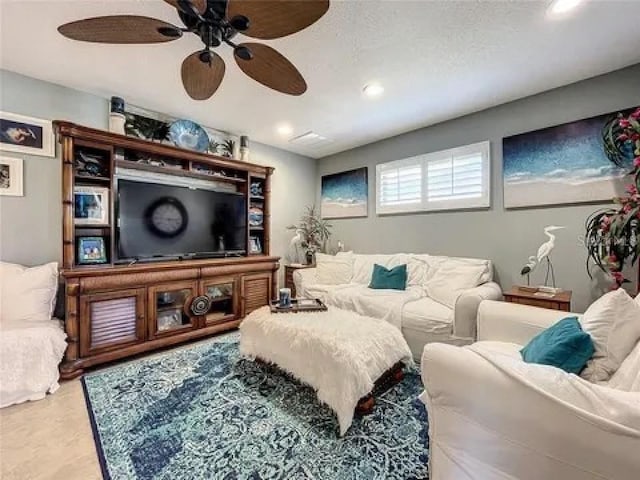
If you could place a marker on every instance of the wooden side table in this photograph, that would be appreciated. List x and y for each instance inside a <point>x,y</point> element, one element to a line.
<point>288,276</point>
<point>560,301</point>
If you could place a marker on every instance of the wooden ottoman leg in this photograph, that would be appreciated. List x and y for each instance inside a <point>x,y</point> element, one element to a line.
<point>365,405</point>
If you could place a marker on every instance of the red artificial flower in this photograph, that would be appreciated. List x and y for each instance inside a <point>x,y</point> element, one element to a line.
<point>631,189</point>
<point>623,137</point>
<point>624,123</point>
<point>636,162</point>
<point>636,114</point>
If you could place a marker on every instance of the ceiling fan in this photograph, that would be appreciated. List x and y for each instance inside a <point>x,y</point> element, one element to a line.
<point>216,22</point>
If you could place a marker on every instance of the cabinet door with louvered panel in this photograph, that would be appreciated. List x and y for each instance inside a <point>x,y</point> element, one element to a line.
<point>111,320</point>
<point>256,291</point>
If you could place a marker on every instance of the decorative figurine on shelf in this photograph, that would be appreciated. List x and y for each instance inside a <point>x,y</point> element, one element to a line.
<point>296,252</point>
<point>116,116</point>
<point>315,232</point>
<point>544,252</point>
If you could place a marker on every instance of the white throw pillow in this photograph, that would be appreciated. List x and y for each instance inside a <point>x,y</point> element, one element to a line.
<point>332,270</point>
<point>449,281</point>
<point>613,321</point>
<point>27,293</point>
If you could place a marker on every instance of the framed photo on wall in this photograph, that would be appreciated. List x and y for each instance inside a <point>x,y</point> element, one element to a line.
<point>91,250</point>
<point>21,134</point>
<point>11,179</point>
<point>91,205</point>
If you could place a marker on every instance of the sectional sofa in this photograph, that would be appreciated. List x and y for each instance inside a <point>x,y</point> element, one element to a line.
<point>439,304</point>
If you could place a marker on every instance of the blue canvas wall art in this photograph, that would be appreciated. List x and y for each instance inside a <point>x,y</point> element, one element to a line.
<point>577,162</point>
<point>345,194</point>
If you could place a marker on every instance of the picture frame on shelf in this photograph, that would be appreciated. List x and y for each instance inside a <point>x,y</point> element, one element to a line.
<point>22,134</point>
<point>91,251</point>
<point>11,177</point>
<point>91,205</point>
<point>254,245</point>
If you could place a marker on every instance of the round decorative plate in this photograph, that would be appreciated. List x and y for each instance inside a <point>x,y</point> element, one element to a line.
<point>256,217</point>
<point>188,134</point>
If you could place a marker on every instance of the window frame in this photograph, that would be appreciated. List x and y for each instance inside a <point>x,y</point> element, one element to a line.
<point>424,205</point>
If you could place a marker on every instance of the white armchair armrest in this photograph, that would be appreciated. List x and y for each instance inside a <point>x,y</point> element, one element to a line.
<point>302,278</point>
<point>485,423</point>
<point>514,323</point>
<point>466,308</point>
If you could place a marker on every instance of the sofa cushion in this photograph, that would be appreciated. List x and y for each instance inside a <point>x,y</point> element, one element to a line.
<point>450,280</point>
<point>333,270</point>
<point>428,316</point>
<point>393,279</point>
<point>627,377</point>
<point>363,265</point>
<point>320,291</point>
<point>27,293</point>
<point>563,345</point>
<point>613,321</point>
<point>438,261</point>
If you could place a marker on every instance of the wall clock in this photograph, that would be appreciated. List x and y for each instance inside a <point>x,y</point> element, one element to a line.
<point>167,217</point>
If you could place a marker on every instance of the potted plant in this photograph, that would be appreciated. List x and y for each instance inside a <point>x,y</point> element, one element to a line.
<point>314,232</point>
<point>613,234</point>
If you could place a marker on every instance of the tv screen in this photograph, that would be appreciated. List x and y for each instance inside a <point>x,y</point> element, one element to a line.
<point>156,220</point>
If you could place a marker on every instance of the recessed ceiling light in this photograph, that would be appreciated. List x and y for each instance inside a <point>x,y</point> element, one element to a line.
<point>559,7</point>
<point>284,129</point>
<point>373,90</point>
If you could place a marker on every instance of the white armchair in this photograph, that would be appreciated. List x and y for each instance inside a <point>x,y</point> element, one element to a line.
<point>493,416</point>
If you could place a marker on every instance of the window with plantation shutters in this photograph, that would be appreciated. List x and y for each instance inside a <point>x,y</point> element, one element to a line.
<point>458,178</point>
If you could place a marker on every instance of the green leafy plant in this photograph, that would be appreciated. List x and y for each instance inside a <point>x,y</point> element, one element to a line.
<point>613,234</point>
<point>314,230</point>
<point>227,148</point>
<point>146,128</point>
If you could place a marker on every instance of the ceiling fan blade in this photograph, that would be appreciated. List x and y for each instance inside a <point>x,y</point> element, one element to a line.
<point>120,29</point>
<point>275,18</point>
<point>271,69</point>
<point>202,79</point>
<point>199,5</point>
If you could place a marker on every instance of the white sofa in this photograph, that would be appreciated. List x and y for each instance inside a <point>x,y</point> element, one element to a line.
<point>493,416</point>
<point>421,318</point>
<point>32,342</point>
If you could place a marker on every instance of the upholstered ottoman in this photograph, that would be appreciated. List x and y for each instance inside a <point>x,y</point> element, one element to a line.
<point>340,354</point>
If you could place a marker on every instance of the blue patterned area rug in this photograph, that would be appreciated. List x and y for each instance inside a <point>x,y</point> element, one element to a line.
<point>202,412</point>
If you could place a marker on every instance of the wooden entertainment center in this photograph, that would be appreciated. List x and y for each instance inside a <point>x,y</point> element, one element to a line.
<point>117,310</point>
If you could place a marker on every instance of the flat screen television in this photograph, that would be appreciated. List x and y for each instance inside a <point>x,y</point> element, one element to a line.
<point>156,221</point>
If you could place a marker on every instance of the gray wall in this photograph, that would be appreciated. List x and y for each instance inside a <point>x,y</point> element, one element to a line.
<point>30,226</point>
<point>507,237</point>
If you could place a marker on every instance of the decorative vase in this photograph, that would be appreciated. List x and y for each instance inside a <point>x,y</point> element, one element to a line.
<point>309,258</point>
<point>116,115</point>
<point>244,148</point>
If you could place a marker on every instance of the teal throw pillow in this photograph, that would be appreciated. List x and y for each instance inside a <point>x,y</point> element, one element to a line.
<point>564,345</point>
<point>394,279</point>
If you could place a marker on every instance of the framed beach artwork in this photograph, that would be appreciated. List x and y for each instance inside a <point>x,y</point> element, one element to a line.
<point>345,194</point>
<point>577,162</point>
<point>29,135</point>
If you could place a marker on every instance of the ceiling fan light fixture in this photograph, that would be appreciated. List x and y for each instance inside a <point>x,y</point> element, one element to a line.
<point>240,23</point>
<point>373,90</point>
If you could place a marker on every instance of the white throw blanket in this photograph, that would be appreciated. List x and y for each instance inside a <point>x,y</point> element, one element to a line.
<point>602,405</point>
<point>339,353</point>
<point>383,304</point>
<point>30,352</point>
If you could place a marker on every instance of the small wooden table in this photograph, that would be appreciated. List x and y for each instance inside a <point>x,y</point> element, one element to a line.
<point>560,301</point>
<point>288,276</point>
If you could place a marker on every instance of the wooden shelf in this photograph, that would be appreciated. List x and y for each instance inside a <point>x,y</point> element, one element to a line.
<point>89,179</point>
<point>257,229</point>
<point>96,227</point>
<point>174,171</point>
<point>256,197</point>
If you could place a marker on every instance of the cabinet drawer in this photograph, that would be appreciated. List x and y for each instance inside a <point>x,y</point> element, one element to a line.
<point>256,292</point>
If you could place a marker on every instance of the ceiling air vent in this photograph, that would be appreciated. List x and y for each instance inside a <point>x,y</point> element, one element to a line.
<point>309,139</point>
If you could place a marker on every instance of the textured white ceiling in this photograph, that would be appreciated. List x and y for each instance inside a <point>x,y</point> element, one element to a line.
<point>436,59</point>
